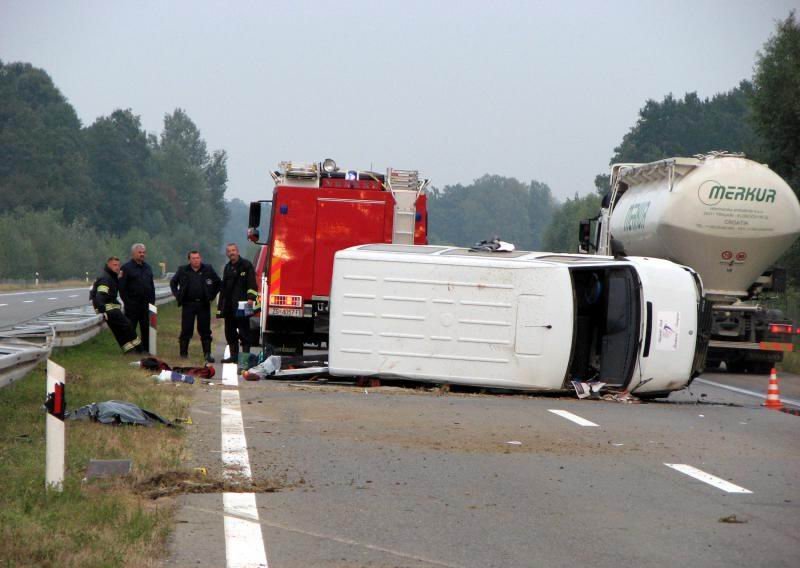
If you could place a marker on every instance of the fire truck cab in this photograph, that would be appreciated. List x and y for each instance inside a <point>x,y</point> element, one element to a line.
<point>317,209</point>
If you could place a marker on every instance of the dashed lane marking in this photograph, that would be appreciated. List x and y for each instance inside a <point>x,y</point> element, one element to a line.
<point>230,374</point>
<point>74,295</point>
<point>713,480</point>
<point>28,301</point>
<point>1,305</point>
<point>52,298</point>
<point>573,417</point>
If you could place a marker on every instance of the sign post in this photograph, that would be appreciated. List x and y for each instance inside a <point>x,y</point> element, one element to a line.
<point>153,331</point>
<point>56,405</point>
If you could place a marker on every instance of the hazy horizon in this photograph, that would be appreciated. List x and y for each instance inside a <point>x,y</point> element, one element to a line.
<point>532,90</point>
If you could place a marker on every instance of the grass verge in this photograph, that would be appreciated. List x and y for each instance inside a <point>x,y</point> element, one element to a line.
<point>790,363</point>
<point>101,522</point>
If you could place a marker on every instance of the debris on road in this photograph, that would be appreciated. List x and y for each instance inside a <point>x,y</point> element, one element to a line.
<point>588,389</point>
<point>117,412</point>
<point>732,519</point>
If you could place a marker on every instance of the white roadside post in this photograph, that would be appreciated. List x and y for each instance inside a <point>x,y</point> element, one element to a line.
<point>153,331</point>
<point>55,442</point>
<point>37,279</point>
<point>87,276</point>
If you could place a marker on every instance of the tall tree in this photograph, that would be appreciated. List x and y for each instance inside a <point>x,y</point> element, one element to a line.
<point>490,206</point>
<point>561,234</point>
<point>688,126</point>
<point>121,168</point>
<point>776,100</point>
<point>181,131</point>
<point>42,161</point>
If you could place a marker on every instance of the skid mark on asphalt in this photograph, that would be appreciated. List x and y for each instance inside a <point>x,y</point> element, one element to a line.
<point>573,417</point>
<point>244,543</point>
<point>713,480</point>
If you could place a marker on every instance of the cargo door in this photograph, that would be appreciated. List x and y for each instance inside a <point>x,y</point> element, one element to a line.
<point>343,223</point>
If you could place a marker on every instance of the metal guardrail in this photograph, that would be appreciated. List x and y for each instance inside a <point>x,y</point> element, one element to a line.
<point>24,345</point>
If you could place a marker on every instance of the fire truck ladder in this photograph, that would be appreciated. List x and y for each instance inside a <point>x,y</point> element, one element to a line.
<point>405,187</point>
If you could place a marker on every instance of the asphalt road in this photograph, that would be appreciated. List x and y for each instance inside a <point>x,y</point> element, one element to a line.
<point>16,307</point>
<point>383,477</point>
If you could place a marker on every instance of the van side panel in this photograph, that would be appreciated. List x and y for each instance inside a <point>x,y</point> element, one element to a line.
<point>476,321</point>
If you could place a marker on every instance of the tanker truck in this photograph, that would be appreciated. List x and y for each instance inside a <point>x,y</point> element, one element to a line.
<point>727,217</point>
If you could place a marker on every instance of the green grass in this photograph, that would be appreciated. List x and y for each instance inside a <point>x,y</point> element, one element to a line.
<point>97,523</point>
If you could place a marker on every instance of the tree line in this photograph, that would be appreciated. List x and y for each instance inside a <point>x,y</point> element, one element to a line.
<point>73,195</point>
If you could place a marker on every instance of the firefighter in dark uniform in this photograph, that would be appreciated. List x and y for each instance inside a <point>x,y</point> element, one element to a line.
<point>104,299</point>
<point>195,286</point>
<point>238,285</point>
<point>137,290</point>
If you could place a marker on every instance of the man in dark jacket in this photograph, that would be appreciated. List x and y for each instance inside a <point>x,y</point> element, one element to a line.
<point>238,285</point>
<point>104,299</point>
<point>195,286</point>
<point>137,291</point>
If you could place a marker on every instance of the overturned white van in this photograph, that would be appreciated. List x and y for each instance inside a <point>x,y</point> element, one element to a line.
<point>518,320</point>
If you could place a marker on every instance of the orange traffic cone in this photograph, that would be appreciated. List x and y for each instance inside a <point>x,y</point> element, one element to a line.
<point>773,394</point>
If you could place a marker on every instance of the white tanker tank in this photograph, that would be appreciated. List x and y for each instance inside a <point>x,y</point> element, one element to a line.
<point>727,217</point>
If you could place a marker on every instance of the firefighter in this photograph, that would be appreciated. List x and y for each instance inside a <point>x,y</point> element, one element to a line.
<point>137,291</point>
<point>238,285</point>
<point>104,299</point>
<point>195,286</point>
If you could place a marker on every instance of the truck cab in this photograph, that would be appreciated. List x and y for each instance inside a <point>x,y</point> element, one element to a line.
<point>315,210</point>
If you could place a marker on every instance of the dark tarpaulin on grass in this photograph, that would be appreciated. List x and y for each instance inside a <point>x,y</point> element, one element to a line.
<point>117,412</point>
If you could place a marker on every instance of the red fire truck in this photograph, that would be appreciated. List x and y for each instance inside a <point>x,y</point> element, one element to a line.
<point>317,209</point>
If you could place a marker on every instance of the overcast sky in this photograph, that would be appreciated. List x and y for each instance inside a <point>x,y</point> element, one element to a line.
<point>535,90</point>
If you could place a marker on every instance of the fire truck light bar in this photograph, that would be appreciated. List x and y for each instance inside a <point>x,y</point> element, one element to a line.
<point>285,301</point>
<point>780,328</point>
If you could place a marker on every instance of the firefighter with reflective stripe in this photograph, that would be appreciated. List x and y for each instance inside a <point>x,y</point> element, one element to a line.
<point>137,290</point>
<point>195,286</point>
<point>238,285</point>
<point>104,299</point>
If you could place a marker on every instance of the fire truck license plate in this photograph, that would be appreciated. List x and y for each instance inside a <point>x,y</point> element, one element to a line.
<point>287,312</point>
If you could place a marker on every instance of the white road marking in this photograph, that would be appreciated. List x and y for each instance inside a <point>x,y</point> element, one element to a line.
<point>707,478</point>
<point>575,418</point>
<point>52,298</point>
<point>230,371</point>
<point>1,305</point>
<point>44,291</point>
<point>234,444</point>
<point>28,301</point>
<point>760,395</point>
<point>74,295</point>
<point>244,543</point>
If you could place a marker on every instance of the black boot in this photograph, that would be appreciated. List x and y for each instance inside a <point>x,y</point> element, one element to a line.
<point>207,350</point>
<point>184,346</point>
